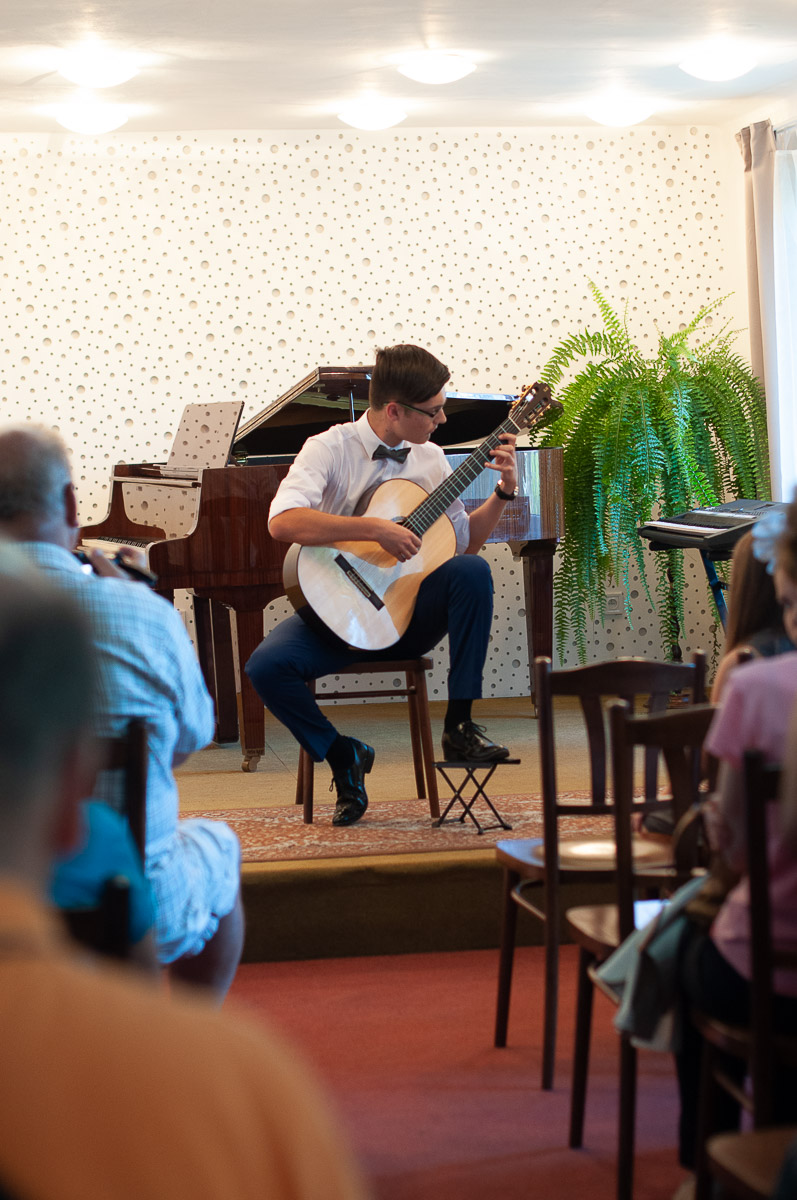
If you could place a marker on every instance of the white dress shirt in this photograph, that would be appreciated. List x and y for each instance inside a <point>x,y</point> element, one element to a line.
<point>335,469</point>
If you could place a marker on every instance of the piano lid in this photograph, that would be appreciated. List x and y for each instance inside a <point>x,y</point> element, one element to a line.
<point>332,395</point>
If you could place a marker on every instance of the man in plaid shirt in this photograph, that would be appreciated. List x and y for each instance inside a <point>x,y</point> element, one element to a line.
<point>147,668</point>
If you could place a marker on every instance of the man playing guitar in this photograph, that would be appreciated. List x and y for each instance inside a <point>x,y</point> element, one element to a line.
<point>317,505</point>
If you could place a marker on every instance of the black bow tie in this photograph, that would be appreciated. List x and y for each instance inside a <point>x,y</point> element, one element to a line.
<point>398,456</point>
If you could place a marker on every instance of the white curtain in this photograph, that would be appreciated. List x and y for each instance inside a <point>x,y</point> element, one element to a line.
<point>770,165</point>
<point>785,243</point>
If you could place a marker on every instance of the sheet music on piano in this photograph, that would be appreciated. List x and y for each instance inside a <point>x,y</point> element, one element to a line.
<point>204,438</point>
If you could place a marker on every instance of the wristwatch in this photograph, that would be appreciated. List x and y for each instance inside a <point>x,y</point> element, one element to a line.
<point>502,495</point>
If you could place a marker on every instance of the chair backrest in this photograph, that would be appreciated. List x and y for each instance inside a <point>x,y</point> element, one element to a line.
<point>678,736</point>
<point>631,679</point>
<point>104,927</point>
<point>128,753</point>
<point>761,786</point>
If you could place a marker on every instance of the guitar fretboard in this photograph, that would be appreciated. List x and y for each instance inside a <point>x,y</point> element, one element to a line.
<point>428,511</point>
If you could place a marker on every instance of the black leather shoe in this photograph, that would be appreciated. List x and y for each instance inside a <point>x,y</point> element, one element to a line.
<point>467,743</point>
<point>352,798</point>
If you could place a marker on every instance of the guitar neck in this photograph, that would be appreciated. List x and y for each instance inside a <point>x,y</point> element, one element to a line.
<point>436,503</point>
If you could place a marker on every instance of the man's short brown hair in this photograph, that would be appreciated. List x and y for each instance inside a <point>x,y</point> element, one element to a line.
<point>406,374</point>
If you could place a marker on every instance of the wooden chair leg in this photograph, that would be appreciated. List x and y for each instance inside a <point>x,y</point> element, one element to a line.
<point>306,778</point>
<point>415,735</point>
<point>551,998</point>
<point>298,797</point>
<point>627,1122</point>
<point>305,786</point>
<point>425,727</point>
<point>705,1124</point>
<point>506,959</point>
<point>578,1093</point>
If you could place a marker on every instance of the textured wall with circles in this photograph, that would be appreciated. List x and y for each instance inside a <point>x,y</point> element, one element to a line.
<point>141,273</point>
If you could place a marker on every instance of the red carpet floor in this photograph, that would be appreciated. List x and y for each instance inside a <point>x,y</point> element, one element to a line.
<point>404,1044</point>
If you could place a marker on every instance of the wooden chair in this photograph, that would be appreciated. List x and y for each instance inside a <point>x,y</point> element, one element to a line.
<point>534,869</point>
<point>104,927</point>
<point>737,1160</point>
<point>414,672</point>
<point>747,1165</point>
<point>599,929</point>
<point>129,753</point>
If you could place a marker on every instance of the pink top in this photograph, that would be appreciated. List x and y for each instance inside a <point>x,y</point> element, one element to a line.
<point>755,714</point>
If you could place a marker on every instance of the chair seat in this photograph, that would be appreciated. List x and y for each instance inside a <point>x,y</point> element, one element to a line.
<point>595,927</point>
<point>752,1159</point>
<point>737,1039</point>
<point>527,855</point>
<point>731,1039</point>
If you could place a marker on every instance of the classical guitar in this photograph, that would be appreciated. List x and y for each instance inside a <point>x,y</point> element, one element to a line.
<point>360,591</point>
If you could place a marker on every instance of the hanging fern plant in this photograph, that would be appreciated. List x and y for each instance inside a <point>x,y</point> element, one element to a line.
<point>645,437</point>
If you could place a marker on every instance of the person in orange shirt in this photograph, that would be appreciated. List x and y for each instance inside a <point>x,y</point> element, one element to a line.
<point>109,1087</point>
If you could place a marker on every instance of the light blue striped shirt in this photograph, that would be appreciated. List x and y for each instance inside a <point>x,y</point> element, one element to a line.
<point>148,668</point>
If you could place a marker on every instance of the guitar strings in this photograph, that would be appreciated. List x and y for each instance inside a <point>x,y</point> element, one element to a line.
<point>432,507</point>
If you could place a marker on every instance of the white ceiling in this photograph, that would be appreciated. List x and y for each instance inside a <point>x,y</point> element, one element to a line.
<point>256,64</point>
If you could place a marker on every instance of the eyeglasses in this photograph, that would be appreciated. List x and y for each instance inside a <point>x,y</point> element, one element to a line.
<point>426,412</point>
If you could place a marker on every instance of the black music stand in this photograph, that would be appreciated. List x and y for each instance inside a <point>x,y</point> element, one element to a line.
<point>716,584</point>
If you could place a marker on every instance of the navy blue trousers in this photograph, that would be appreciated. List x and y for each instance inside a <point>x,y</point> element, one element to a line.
<point>456,599</point>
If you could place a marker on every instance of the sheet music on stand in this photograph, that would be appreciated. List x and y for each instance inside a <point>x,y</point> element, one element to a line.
<point>204,438</point>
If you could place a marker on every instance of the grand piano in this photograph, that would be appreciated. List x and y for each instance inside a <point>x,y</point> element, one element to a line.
<point>206,530</point>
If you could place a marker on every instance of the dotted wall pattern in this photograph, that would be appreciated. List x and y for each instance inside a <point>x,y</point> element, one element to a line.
<point>142,273</point>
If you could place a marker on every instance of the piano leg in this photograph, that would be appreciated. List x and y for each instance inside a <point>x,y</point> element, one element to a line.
<point>249,628</point>
<point>538,588</point>
<point>227,712</point>
<point>214,647</point>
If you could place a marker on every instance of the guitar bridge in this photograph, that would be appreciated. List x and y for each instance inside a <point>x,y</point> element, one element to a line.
<point>356,578</point>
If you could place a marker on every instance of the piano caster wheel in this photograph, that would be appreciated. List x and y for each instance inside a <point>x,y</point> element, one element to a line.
<point>250,762</point>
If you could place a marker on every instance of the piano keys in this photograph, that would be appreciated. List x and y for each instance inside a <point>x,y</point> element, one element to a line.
<point>209,533</point>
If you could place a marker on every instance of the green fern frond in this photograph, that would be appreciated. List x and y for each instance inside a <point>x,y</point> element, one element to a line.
<point>642,437</point>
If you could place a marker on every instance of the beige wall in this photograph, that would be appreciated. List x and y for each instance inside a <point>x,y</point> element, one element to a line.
<point>143,272</point>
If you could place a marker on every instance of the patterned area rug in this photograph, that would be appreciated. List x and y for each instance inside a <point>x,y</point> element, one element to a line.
<point>389,827</point>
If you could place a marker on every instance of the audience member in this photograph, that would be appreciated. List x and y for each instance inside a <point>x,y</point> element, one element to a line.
<point>757,702</point>
<point>147,669</point>
<point>109,1088</point>
<point>755,617</point>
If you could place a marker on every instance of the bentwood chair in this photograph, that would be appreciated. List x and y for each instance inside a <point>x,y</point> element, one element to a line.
<point>747,1163</point>
<point>129,754</point>
<point>104,927</point>
<point>535,869</point>
<point>415,691</point>
<point>599,929</point>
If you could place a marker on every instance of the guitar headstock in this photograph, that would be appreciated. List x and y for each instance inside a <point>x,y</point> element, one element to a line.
<point>534,404</point>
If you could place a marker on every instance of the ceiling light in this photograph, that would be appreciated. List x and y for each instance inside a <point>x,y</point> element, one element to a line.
<point>434,66</point>
<point>619,108</point>
<point>718,59</point>
<point>89,116</point>
<point>372,112</point>
<point>94,65</point>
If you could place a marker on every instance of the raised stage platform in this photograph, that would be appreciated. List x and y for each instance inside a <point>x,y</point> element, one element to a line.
<point>392,883</point>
